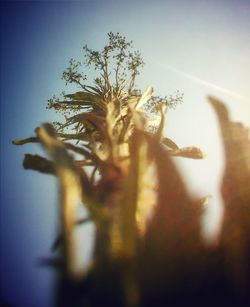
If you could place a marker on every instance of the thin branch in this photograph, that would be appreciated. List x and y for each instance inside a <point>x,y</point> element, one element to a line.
<point>58,240</point>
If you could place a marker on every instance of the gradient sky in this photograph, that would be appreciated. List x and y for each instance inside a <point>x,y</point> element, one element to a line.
<point>197,47</point>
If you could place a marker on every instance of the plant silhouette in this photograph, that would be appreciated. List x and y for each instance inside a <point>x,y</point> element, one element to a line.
<point>110,156</point>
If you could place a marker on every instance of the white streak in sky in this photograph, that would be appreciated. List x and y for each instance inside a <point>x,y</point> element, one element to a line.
<point>206,83</point>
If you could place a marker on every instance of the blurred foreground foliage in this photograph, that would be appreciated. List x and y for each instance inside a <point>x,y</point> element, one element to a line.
<point>110,156</point>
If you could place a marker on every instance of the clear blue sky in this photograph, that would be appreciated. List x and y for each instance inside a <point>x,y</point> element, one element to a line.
<point>199,47</point>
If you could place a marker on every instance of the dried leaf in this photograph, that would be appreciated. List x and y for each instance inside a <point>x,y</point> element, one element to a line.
<point>235,234</point>
<point>89,119</point>
<point>38,163</point>
<point>145,97</point>
<point>83,96</point>
<point>174,204</point>
<point>130,199</point>
<point>83,136</point>
<point>187,152</point>
<point>169,143</point>
<point>70,193</point>
<point>172,243</point>
<point>25,141</point>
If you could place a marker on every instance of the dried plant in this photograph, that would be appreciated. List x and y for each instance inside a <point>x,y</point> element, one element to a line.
<point>110,156</point>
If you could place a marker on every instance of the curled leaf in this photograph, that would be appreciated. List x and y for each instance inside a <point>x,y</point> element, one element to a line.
<point>25,141</point>
<point>187,152</point>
